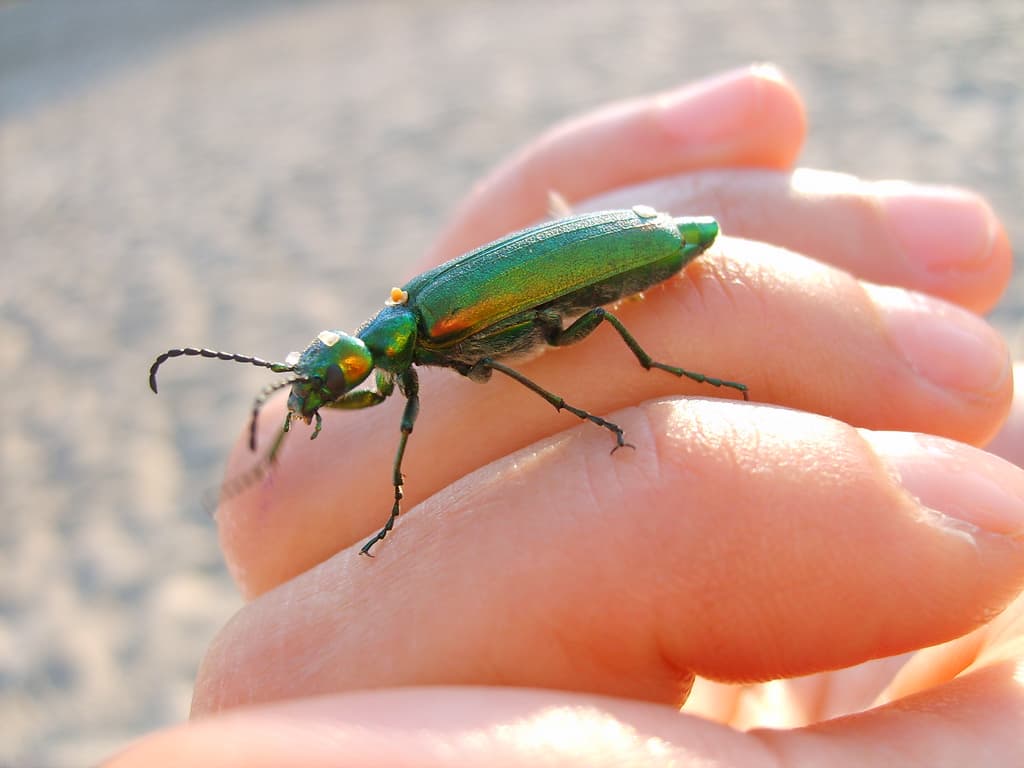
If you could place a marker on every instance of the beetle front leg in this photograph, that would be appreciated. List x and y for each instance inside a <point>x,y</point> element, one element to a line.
<point>409,384</point>
<point>410,387</point>
<point>586,323</point>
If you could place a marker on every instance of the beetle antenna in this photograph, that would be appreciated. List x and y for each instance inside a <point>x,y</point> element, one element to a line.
<point>261,398</point>
<point>240,483</point>
<point>235,486</point>
<point>197,352</point>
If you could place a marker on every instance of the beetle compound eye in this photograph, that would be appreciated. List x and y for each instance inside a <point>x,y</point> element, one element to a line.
<point>336,381</point>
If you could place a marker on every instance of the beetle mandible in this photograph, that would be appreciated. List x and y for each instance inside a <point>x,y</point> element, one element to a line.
<point>497,302</point>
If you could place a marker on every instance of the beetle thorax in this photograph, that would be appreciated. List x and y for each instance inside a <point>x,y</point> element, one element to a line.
<point>391,337</point>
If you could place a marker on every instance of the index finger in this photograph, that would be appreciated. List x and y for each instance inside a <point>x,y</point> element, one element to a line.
<point>738,543</point>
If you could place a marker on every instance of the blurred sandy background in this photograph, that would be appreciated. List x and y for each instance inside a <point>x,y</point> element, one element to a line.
<point>243,174</point>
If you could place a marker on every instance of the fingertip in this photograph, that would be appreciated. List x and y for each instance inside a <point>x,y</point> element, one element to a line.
<point>715,116</point>
<point>956,480</point>
<point>1000,260</point>
<point>1009,442</point>
<point>949,348</point>
<point>951,237</point>
<point>250,494</point>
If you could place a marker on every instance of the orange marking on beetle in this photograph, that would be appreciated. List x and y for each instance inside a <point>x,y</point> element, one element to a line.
<point>354,366</point>
<point>450,324</point>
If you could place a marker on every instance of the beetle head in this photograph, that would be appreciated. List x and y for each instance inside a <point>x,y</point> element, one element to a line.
<point>333,364</point>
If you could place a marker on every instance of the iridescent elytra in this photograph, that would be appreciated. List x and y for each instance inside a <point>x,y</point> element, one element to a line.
<point>542,286</point>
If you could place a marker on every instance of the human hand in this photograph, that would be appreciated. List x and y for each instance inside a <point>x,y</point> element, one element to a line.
<point>739,542</point>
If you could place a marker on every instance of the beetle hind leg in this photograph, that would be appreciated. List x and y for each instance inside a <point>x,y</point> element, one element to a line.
<point>559,403</point>
<point>586,323</point>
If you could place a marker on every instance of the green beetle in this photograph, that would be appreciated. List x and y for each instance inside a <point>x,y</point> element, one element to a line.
<point>498,302</point>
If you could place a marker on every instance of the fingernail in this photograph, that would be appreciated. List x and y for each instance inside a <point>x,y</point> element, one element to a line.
<point>942,228</point>
<point>716,99</point>
<point>943,343</point>
<point>954,479</point>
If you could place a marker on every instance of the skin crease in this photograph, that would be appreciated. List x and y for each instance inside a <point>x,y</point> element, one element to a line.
<point>739,542</point>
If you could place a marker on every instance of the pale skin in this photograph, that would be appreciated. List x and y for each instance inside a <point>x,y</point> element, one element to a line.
<point>542,602</point>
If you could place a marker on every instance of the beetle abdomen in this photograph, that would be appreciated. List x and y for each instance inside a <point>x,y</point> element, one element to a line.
<point>590,259</point>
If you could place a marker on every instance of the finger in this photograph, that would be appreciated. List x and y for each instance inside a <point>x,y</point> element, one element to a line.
<point>737,543</point>
<point>448,727</point>
<point>798,333</point>
<point>751,117</point>
<point>942,241</point>
<point>501,727</point>
<point>976,714</point>
<point>998,642</point>
<point>1009,441</point>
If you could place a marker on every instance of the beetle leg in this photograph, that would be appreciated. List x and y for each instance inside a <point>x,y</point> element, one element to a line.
<point>353,401</point>
<point>365,398</point>
<point>585,324</point>
<point>279,440</point>
<point>559,402</point>
<point>408,382</point>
